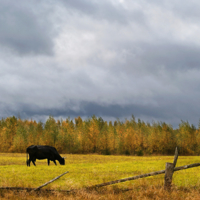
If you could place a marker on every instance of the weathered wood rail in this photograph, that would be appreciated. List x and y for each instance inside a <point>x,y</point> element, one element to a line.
<point>169,170</point>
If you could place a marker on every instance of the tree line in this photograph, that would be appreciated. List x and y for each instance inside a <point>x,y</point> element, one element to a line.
<point>94,135</point>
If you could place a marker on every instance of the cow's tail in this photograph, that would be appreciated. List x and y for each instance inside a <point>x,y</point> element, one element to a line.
<point>27,158</point>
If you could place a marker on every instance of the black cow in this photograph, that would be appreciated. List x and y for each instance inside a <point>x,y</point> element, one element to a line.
<point>43,152</point>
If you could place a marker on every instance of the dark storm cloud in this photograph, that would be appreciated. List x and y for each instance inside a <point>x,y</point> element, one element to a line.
<point>24,28</point>
<point>174,56</point>
<point>88,109</point>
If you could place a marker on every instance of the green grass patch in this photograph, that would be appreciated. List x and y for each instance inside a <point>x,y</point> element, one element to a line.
<point>87,170</point>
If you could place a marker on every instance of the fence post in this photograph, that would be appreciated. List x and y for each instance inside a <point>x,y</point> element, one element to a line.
<point>169,170</point>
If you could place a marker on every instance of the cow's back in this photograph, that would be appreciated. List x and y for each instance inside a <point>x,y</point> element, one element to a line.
<point>31,149</point>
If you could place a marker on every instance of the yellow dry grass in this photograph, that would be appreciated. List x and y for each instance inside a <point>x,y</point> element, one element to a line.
<point>87,170</point>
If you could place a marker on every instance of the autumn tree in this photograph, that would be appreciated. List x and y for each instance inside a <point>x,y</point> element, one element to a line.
<point>186,138</point>
<point>20,140</point>
<point>8,132</point>
<point>51,132</point>
<point>93,133</point>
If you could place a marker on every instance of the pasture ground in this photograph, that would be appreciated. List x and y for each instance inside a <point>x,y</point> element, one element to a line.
<point>87,170</point>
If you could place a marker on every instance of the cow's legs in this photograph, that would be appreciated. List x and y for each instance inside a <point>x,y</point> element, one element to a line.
<point>33,161</point>
<point>54,162</point>
<point>28,162</point>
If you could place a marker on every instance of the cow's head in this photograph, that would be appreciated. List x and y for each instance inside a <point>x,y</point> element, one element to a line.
<point>62,161</point>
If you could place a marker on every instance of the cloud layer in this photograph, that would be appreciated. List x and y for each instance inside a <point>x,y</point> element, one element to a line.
<point>107,58</point>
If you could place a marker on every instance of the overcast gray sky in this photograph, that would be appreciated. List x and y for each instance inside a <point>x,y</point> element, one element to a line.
<point>109,58</point>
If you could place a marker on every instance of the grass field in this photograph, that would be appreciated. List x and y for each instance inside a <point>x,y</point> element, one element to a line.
<point>87,170</point>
